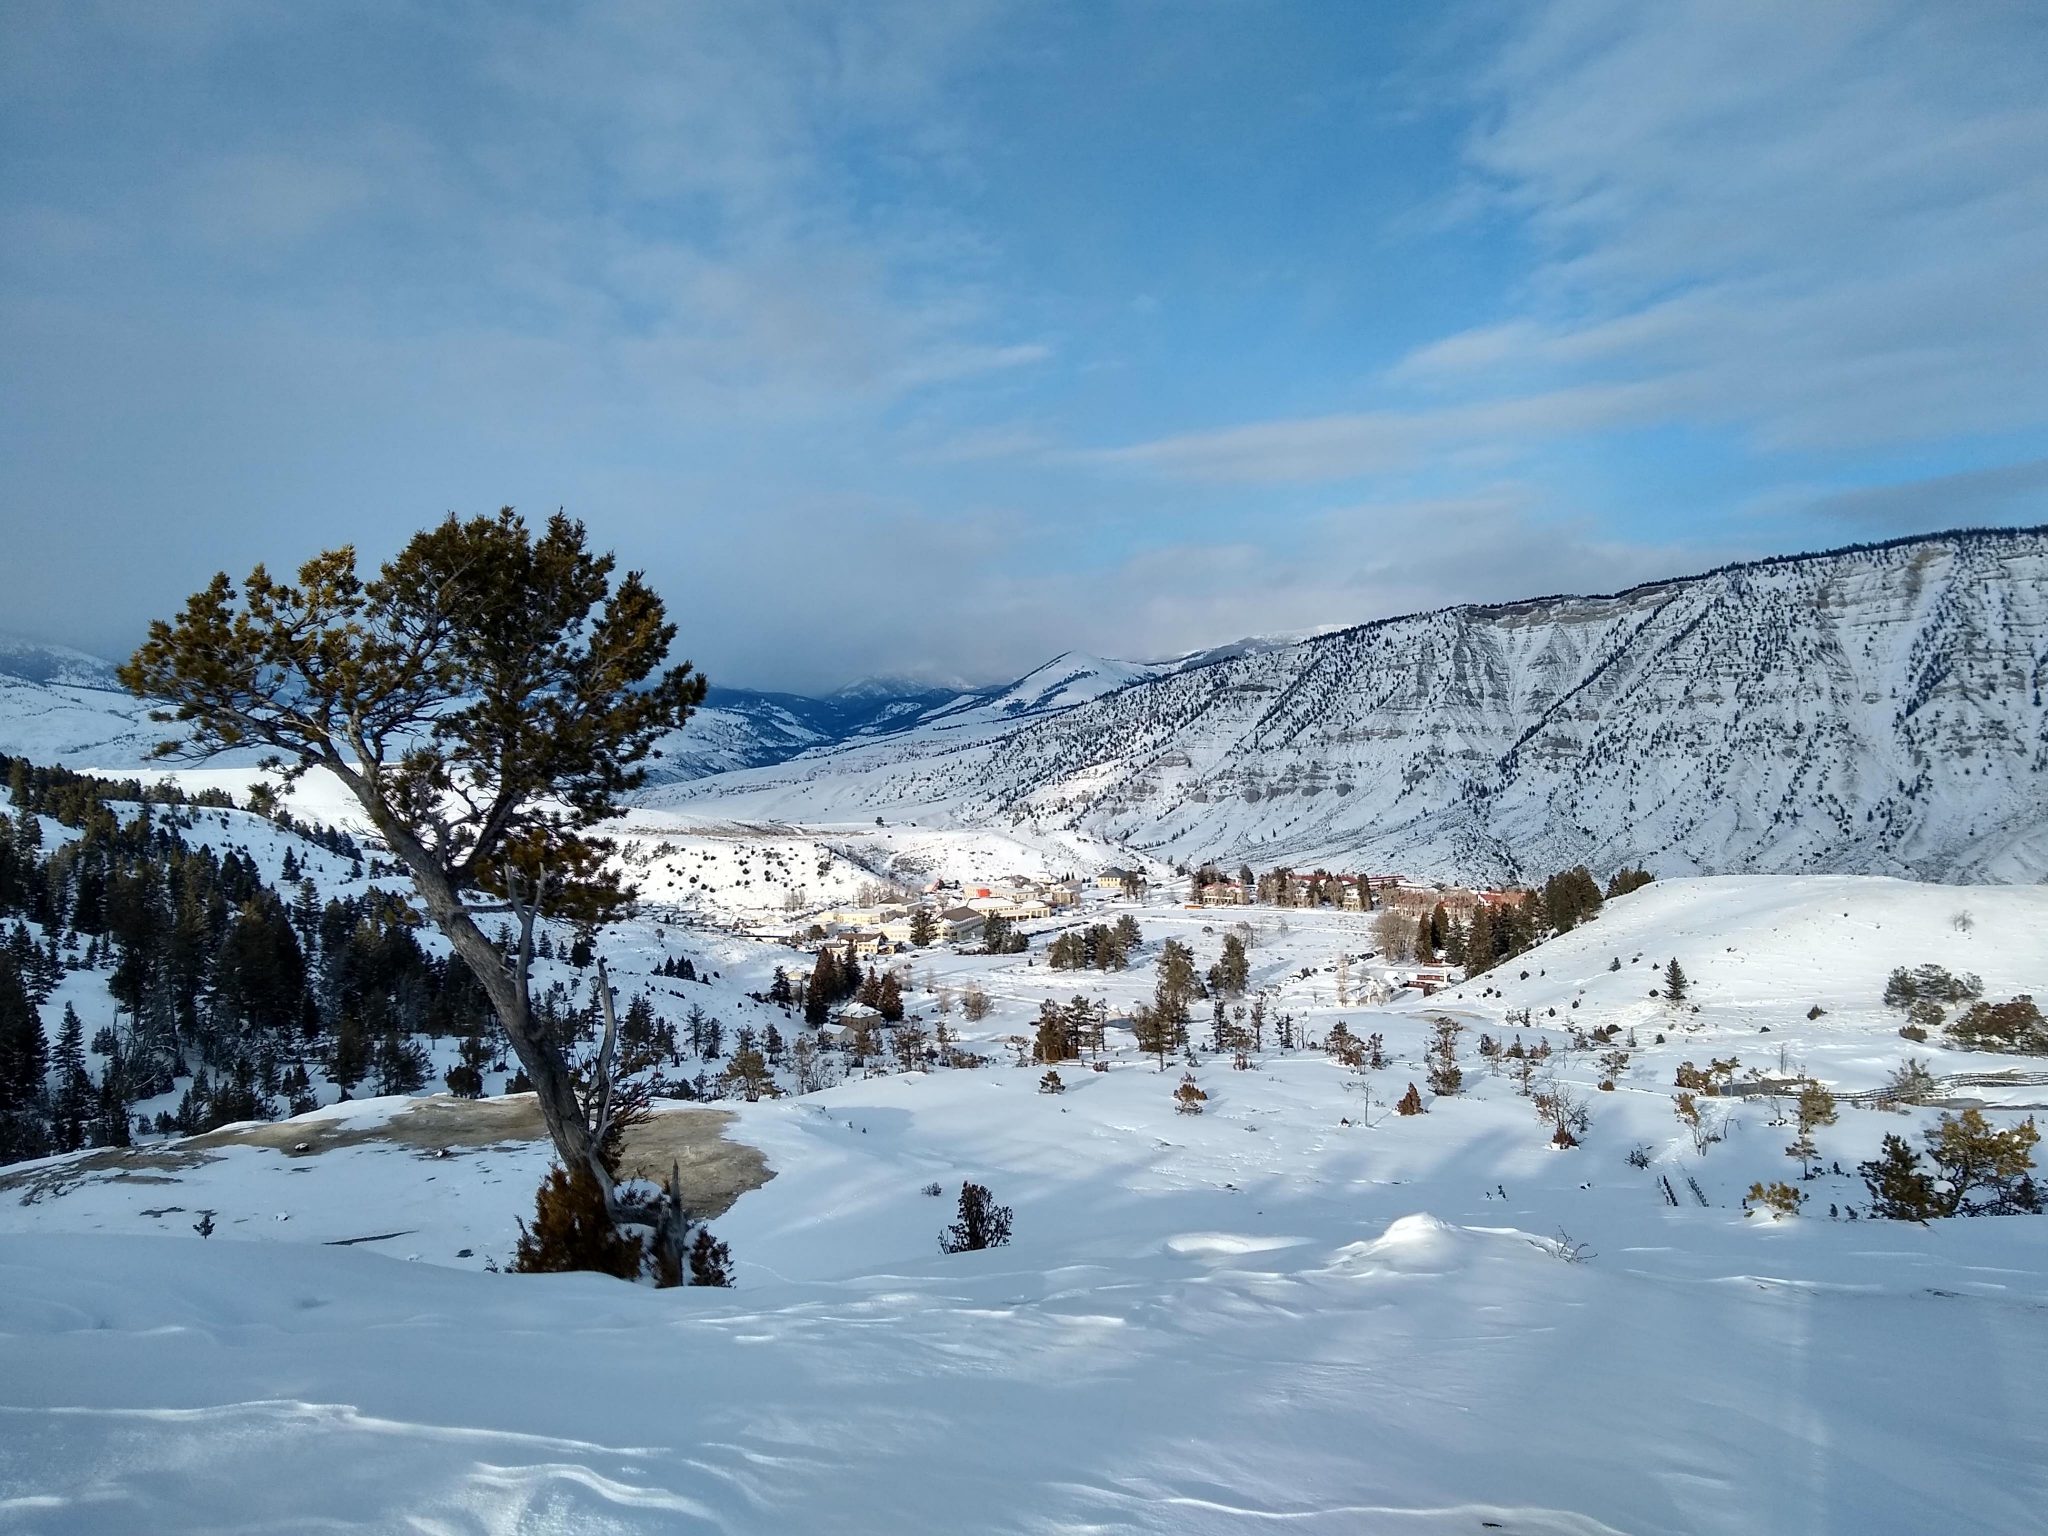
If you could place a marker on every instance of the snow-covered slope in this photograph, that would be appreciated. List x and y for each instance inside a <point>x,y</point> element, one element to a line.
<point>59,722</point>
<point>1294,1310</point>
<point>37,662</point>
<point>1877,709</point>
<point>1069,679</point>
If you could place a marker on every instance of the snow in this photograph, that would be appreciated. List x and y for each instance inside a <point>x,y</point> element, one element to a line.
<point>1294,1310</point>
<point>1865,711</point>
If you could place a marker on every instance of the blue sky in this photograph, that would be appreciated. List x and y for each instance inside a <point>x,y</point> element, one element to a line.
<point>939,338</point>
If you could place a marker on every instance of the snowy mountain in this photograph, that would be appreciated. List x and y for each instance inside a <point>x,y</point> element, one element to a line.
<point>1875,709</point>
<point>35,662</point>
<point>62,705</point>
<point>58,705</point>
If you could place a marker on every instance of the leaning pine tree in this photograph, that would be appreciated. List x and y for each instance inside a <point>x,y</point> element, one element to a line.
<point>486,699</point>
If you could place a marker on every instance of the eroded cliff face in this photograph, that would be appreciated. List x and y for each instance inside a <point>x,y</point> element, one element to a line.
<point>1873,710</point>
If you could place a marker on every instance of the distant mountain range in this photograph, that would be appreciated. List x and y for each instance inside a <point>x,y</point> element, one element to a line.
<point>63,705</point>
<point>746,728</point>
<point>1874,709</point>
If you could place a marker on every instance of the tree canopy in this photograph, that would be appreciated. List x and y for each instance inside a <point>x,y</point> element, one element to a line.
<point>486,698</point>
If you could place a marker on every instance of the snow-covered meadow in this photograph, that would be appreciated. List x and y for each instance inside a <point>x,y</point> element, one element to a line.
<point>1295,1309</point>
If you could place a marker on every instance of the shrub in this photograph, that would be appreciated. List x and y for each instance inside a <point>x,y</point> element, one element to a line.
<point>2015,1027</point>
<point>1774,1199</point>
<point>1975,1171</point>
<point>1995,1166</point>
<point>1910,1083</point>
<point>1050,1083</point>
<point>1346,1047</point>
<point>710,1260</point>
<point>1929,983</point>
<point>1565,1112</point>
<point>1189,1098</point>
<point>1410,1103</point>
<point>465,1082</point>
<point>1900,1189</point>
<point>974,1003</point>
<point>981,1223</point>
<point>572,1230</point>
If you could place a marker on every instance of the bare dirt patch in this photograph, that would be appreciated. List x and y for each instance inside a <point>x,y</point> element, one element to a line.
<point>688,1140</point>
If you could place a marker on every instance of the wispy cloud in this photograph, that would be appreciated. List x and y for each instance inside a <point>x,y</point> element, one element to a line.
<point>1821,228</point>
<point>1366,442</point>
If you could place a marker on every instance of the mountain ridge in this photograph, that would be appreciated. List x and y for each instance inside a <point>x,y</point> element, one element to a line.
<point>1874,708</point>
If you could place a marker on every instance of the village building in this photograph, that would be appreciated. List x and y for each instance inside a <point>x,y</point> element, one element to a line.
<point>960,925</point>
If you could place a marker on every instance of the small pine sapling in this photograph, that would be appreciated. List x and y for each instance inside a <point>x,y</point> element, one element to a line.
<point>1189,1098</point>
<point>1900,1189</point>
<point>1675,981</point>
<point>981,1222</point>
<point>1410,1103</point>
<point>710,1260</point>
<point>1051,1083</point>
<point>1445,1076</point>
<point>573,1230</point>
<point>1816,1108</point>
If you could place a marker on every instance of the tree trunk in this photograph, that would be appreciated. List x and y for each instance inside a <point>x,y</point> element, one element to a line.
<point>554,1087</point>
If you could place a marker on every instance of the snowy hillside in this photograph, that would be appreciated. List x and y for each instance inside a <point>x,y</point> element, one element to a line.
<point>36,662</point>
<point>1874,710</point>
<point>71,714</point>
<point>1294,1308</point>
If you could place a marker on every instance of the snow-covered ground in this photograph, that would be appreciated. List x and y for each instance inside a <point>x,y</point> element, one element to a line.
<point>749,872</point>
<point>1294,1311</point>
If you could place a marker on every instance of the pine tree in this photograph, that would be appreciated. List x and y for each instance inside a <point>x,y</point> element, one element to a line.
<point>747,1074</point>
<point>823,991</point>
<point>573,1230</point>
<point>482,655</point>
<point>981,1222</point>
<point>1232,973</point>
<point>1445,1076</point>
<point>1480,942</point>
<point>1816,1108</point>
<point>74,1098</point>
<point>1177,984</point>
<point>1900,1189</point>
<point>1675,982</point>
<point>24,1129</point>
<point>1970,1157</point>
<point>710,1260</point>
<point>1154,1031</point>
